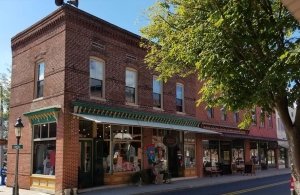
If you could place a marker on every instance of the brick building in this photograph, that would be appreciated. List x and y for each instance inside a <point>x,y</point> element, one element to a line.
<point>236,147</point>
<point>93,112</point>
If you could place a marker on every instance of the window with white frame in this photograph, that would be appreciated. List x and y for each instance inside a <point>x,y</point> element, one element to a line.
<point>179,97</point>
<point>131,86</point>
<point>96,78</point>
<point>157,92</point>
<point>253,116</point>
<point>40,76</point>
<point>210,112</point>
<point>223,114</point>
<point>44,148</point>
<point>270,120</point>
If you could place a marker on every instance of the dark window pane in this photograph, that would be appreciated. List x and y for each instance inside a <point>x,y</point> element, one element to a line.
<point>52,130</point>
<point>179,105</point>
<point>156,100</point>
<point>40,88</point>
<point>130,94</point>
<point>36,130</point>
<point>44,131</point>
<point>85,129</point>
<point>96,87</point>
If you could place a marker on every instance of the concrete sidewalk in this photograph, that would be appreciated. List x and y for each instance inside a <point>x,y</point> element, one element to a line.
<point>177,183</point>
<point>181,183</point>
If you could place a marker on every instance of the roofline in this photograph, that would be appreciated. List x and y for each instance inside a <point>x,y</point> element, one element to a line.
<point>61,11</point>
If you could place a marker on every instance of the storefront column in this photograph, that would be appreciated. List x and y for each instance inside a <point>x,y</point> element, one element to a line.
<point>147,140</point>
<point>247,150</point>
<point>199,155</point>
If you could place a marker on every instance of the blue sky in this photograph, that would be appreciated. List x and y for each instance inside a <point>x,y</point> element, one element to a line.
<point>17,15</point>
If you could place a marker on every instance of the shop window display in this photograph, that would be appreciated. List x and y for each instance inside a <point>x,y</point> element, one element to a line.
<point>237,156</point>
<point>210,155</point>
<point>127,148</point>
<point>254,156</point>
<point>44,149</point>
<point>271,158</point>
<point>160,154</point>
<point>189,150</point>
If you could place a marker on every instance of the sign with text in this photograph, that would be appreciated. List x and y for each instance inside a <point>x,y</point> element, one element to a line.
<point>17,147</point>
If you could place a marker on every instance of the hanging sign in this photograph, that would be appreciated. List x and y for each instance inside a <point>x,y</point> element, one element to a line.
<point>170,141</point>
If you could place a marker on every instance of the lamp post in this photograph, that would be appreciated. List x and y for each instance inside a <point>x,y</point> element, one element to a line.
<point>18,131</point>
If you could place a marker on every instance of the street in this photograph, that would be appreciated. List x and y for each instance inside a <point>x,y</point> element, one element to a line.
<point>269,185</point>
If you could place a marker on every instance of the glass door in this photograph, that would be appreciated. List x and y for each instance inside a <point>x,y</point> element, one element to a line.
<point>98,173</point>
<point>85,179</point>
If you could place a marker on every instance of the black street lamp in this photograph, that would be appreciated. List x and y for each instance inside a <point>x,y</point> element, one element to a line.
<point>18,131</point>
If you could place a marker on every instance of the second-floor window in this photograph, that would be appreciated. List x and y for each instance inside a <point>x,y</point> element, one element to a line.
<point>236,117</point>
<point>270,120</point>
<point>223,114</point>
<point>96,78</point>
<point>131,84</point>
<point>210,112</point>
<point>253,116</point>
<point>40,76</point>
<point>179,97</point>
<point>157,93</point>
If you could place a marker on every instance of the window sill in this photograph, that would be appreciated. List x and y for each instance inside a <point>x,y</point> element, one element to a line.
<point>43,176</point>
<point>97,98</point>
<point>38,99</point>
<point>181,113</point>
<point>131,104</point>
<point>159,109</point>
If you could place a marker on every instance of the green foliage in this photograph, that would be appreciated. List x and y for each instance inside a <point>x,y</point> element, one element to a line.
<point>246,53</point>
<point>4,98</point>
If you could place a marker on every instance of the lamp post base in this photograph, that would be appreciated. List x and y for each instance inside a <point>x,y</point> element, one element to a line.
<point>15,190</point>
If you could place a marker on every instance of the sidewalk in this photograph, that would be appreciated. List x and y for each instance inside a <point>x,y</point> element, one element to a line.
<point>177,183</point>
<point>181,183</point>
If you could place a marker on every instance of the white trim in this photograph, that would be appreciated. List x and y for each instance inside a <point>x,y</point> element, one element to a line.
<point>102,62</point>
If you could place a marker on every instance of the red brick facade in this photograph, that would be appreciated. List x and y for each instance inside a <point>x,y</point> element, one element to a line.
<point>65,41</point>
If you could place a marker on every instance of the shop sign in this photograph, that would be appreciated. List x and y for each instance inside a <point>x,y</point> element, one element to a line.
<point>170,141</point>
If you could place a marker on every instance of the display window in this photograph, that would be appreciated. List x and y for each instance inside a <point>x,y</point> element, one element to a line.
<point>126,147</point>
<point>271,157</point>
<point>189,150</point>
<point>159,149</point>
<point>238,156</point>
<point>44,149</point>
<point>210,153</point>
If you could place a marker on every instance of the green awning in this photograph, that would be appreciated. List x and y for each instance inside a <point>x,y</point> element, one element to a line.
<point>120,121</point>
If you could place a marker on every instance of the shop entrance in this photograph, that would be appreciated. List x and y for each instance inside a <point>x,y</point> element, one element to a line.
<point>175,157</point>
<point>91,171</point>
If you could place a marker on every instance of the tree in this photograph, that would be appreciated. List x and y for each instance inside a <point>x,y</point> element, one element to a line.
<point>4,104</point>
<point>245,53</point>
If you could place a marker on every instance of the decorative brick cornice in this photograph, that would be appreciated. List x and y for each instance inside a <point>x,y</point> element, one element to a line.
<point>102,27</point>
<point>68,14</point>
<point>38,29</point>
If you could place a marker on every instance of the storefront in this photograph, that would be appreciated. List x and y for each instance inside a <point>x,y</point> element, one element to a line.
<point>113,149</point>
